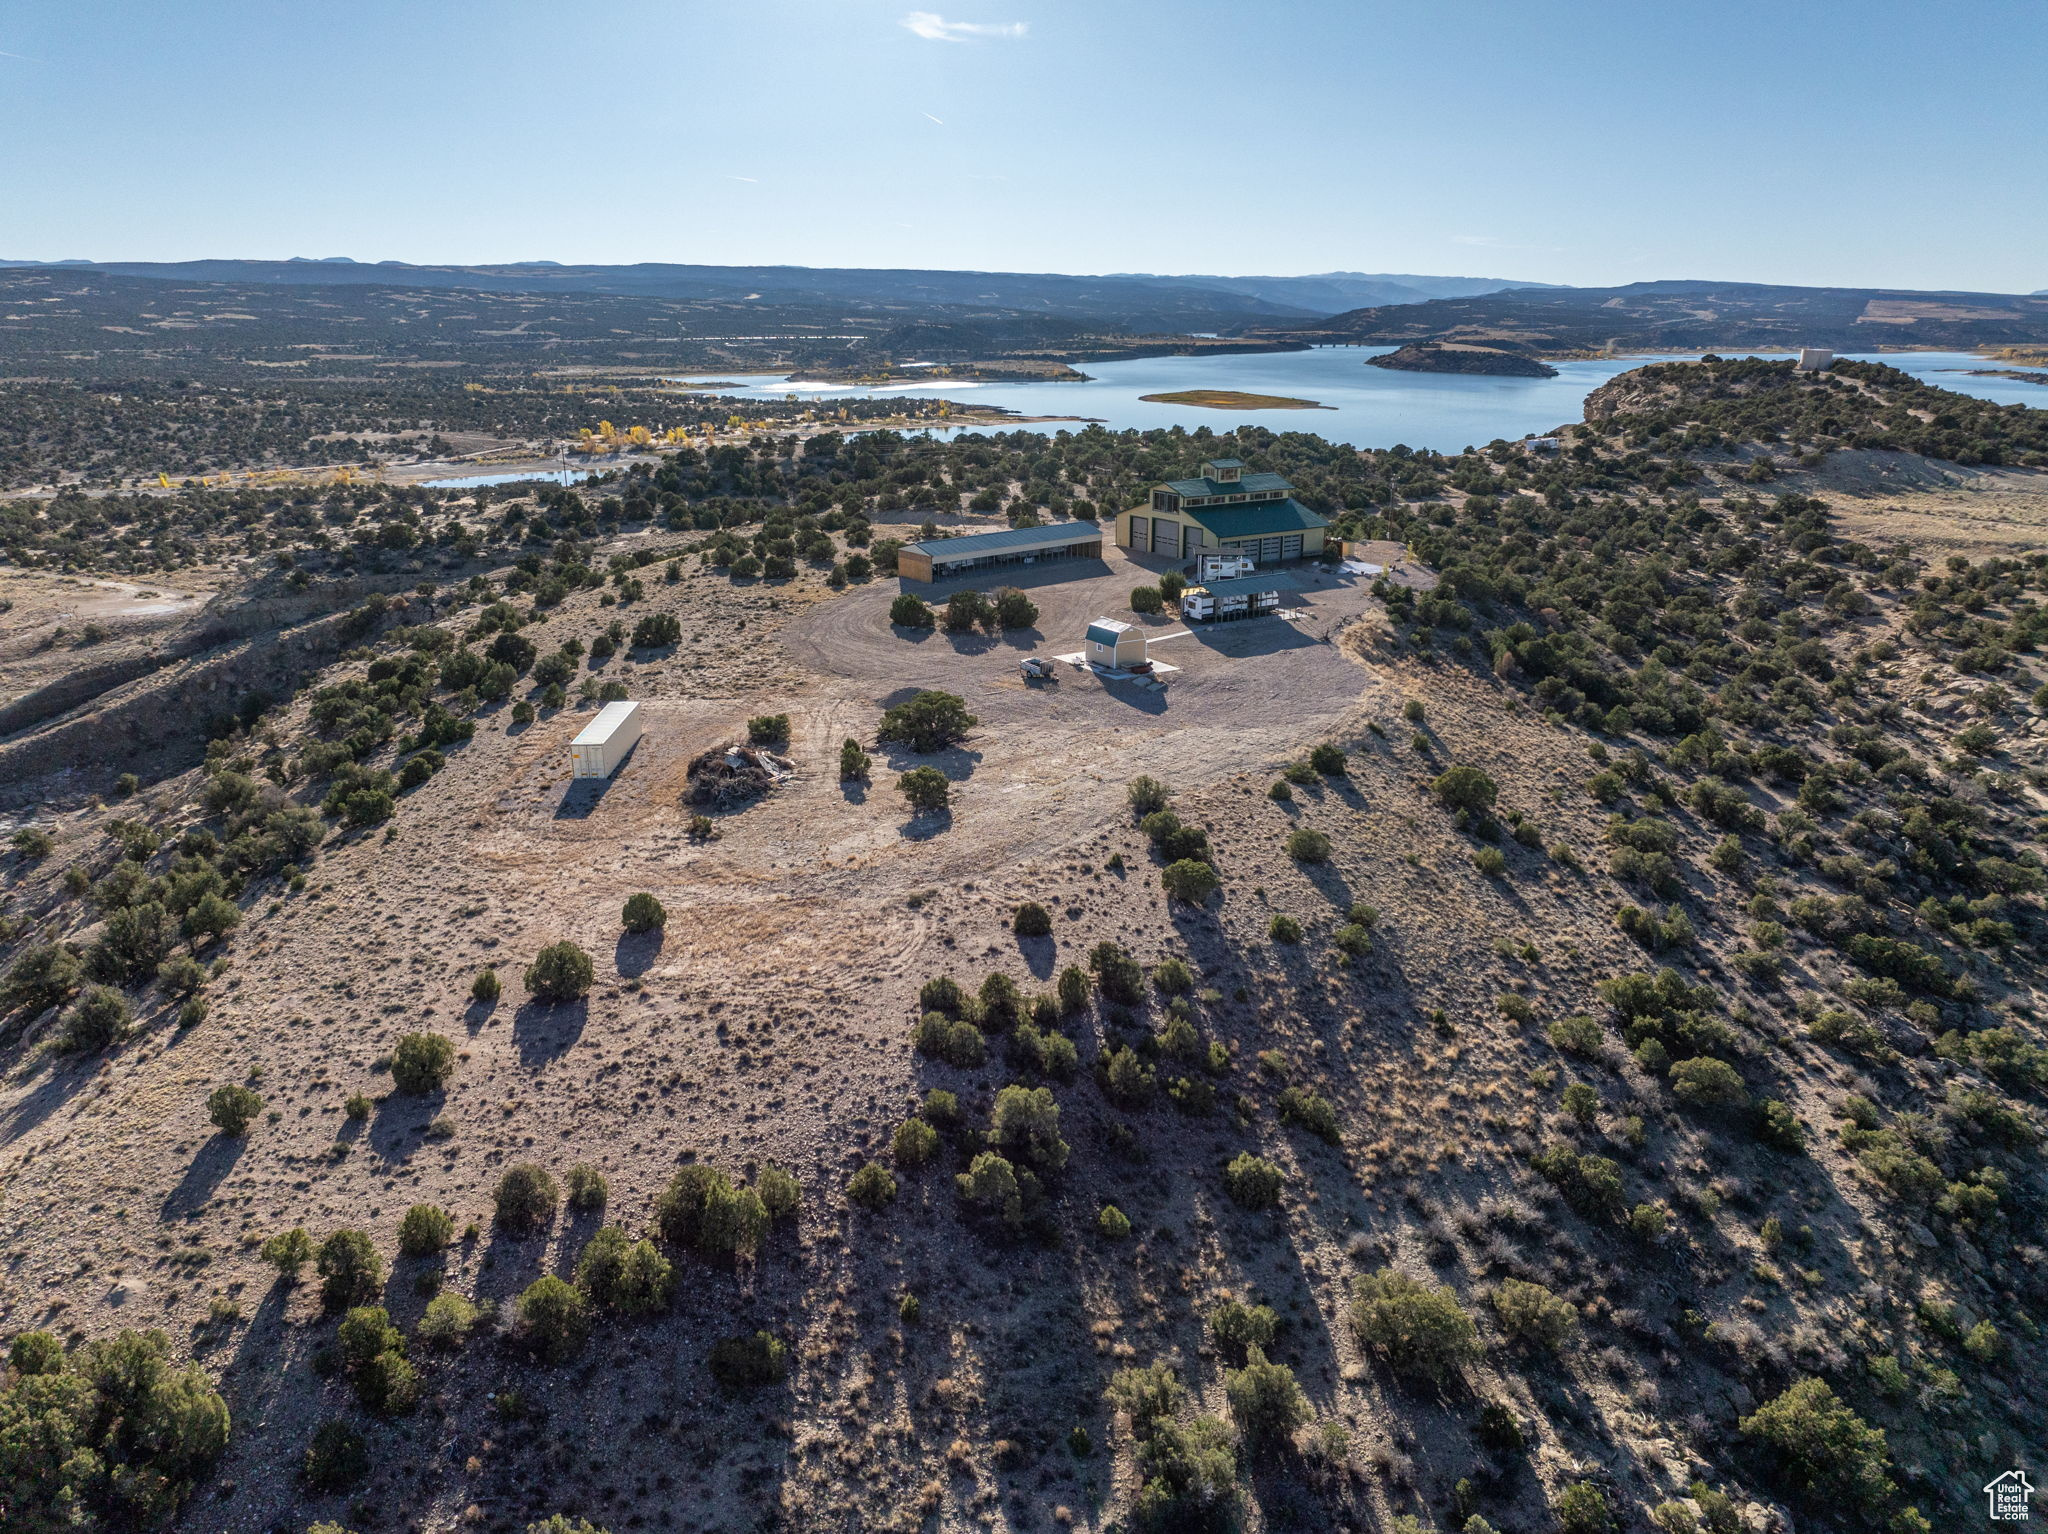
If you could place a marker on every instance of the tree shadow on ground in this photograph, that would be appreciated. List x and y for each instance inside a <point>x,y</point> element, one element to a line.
<point>583,795</point>
<point>924,825</point>
<point>1134,694</point>
<point>854,790</point>
<point>477,1013</point>
<point>62,1081</point>
<point>400,1125</point>
<point>635,952</point>
<point>1040,954</point>
<point>545,1031</point>
<point>216,1158</point>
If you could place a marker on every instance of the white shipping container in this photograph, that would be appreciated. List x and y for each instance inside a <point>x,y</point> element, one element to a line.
<point>603,745</point>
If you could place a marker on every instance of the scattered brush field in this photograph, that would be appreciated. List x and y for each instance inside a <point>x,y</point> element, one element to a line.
<point>1548,1039</point>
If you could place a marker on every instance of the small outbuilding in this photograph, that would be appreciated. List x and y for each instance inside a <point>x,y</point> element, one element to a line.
<point>1114,645</point>
<point>1814,359</point>
<point>604,743</point>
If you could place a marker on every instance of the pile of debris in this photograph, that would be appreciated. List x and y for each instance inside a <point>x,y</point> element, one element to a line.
<point>728,776</point>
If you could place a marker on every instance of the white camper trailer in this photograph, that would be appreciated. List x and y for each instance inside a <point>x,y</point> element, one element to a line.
<point>603,745</point>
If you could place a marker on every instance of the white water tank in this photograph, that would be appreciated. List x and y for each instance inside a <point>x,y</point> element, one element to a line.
<point>1814,359</point>
<point>604,742</point>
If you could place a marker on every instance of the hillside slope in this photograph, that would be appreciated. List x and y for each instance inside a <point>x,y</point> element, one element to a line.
<point>1689,316</point>
<point>1605,1080</point>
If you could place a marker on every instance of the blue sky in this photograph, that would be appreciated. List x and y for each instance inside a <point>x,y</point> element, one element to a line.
<point>1892,142</point>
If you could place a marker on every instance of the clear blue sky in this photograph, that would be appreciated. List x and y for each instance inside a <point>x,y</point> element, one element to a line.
<point>1894,142</point>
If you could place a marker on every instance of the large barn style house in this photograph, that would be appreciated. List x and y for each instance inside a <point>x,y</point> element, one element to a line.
<point>1226,511</point>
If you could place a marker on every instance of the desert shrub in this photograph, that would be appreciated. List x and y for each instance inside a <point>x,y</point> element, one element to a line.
<point>1112,1223</point>
<point>211,916</point>
<point>1467,789</point>
<point>1128,1080</point>
<point>337,1459</point>
<point>114,1437</point>
<point>1353,939</point>
<point>1147,599</point>
<point>1032,920</point>
<point>1026,1123</point>
<point>1173,977</point>
<point>991,1184</point>
<point>1308,846</point>
<point>1046,1051</point>
<point>1578,1034</point>
<point>553,1319</point>
<point>1284,929</point>
<point>624,1275</point>
<point>1189,880</point>
<point>1591,1182</point>
<point>98,1020</point>
<point>525,1199</point>
<point>487,987</point>
<point>957,1042</point>
<point>40,977</point>
<point>768,730</point>
<point>560,972</point>
<point>871,1187</point>
<point>928,722</point>
<point>740,1362</point>
<point>181,975</point>
<point>1120,977</point>
<point>643,913</point>
<point>1706,1082</point>
<point>1531,1313</point>
<point>1490,861</point>
<point>588,1191</point>
<point>1265,1399</point>
<point>927,789</point>
<point>1013,609</point>
<point>780,1193</point>
<point>1420,1329</point>
<point>350,1270</point>
<point>911,612</point>
<point>1252,1181</point>
<point>854,763</point>
<point>1072,990</point>
<point>33,843</point>
<point>1310,1112</point>
<point>425,1230</point>
<point>1328,759</point>
<point>422,1062</point>
<point>1002,1003</point>
<point>1823,1448</point>
<point>1238,1326</point>
<point>232,1109</point>
<point>1582,1508</point>
<point>1648,1221</point>
<point>1779,1127</point>
<point>287,1251</point>
<point>447,1322</point>
<point>1147,795</point>
<point>657,630</point>
<point>914,1143</point>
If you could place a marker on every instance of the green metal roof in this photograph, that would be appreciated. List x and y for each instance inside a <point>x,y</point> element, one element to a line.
<point>1256,519</point>
<point>1046,535</point>
<point>1228,487</point>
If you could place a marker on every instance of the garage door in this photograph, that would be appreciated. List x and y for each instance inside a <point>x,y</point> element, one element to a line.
<point>1290,546</point>
<point>1141,535</point>
<point>1166,537</point>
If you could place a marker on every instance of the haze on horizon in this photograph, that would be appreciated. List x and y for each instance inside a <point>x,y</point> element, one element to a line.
<point>1583,141</point>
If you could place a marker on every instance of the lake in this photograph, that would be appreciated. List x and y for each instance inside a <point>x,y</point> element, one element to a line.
<point>1372,407</point>
<point>528,476</point>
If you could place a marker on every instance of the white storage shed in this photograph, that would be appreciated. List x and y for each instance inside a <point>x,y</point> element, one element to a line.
<point>605,741</point>
<point>1115,644</point>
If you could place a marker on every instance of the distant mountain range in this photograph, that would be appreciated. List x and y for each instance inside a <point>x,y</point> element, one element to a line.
<point>1125,301</point>
<point>1687,316</point>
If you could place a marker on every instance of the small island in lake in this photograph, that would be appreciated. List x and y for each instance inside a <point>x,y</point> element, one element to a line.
<point>1231,399</point>
<point>1455,357</point>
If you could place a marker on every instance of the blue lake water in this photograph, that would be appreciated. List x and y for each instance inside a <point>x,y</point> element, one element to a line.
<point>530,476</point>
<point>1372,407</point>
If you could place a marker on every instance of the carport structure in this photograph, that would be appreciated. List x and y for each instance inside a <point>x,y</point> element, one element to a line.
<point>935,559</point>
